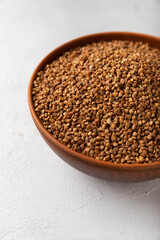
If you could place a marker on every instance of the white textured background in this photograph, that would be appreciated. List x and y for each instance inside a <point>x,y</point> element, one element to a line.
<point>41,197</point>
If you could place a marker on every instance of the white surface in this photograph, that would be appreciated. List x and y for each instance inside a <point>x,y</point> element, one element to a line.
<point>41,197</point>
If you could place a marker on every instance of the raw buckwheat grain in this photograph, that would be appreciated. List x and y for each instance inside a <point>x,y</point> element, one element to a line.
<point>103,100</point>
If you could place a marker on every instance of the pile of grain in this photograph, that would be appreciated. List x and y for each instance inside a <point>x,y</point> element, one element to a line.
<point>103,100</point>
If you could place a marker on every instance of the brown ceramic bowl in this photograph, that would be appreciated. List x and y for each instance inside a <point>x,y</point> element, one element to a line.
<point>88,165</point>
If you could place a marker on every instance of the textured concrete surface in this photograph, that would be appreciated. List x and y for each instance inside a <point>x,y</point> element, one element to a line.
<point>41,197</point>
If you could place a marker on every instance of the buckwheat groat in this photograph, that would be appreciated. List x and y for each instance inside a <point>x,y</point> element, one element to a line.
<point>103,100</point>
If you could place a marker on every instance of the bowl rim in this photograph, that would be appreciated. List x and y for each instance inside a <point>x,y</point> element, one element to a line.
<point>49,136</point>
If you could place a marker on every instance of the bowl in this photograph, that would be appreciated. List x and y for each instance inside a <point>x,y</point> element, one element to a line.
<point>96,168</point>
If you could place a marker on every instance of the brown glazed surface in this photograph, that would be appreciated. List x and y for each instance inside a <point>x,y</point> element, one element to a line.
<point>88,165</point>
